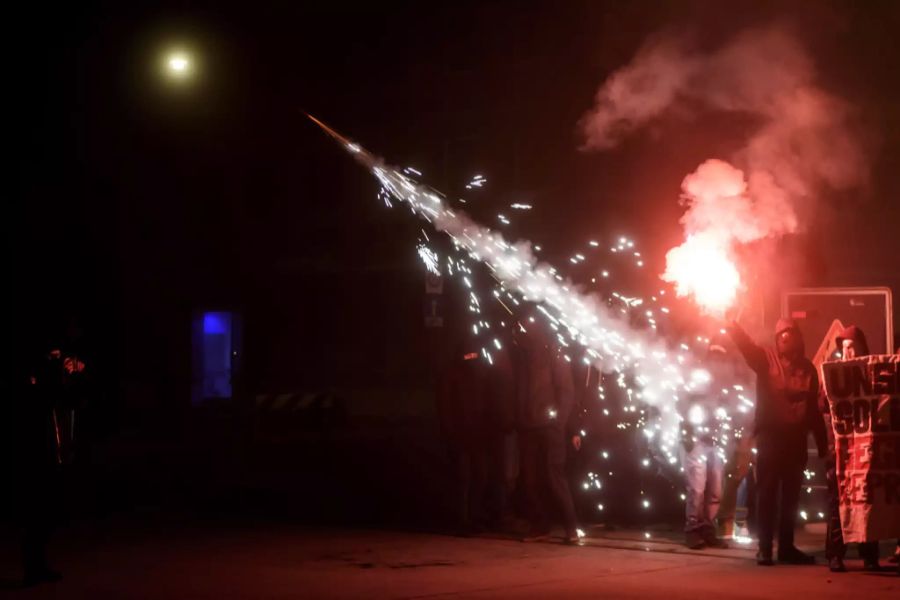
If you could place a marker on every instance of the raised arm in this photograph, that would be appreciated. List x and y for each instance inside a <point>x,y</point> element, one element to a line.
<point>752,353</point>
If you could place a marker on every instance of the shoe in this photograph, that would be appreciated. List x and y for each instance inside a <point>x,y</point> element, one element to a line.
<point>572,540</point>
<point>836,565</point>
<point>712,541</point>
<point>694,540</point>
<point>793,556</point>
<point>764,559</point>
<point>871,566</point>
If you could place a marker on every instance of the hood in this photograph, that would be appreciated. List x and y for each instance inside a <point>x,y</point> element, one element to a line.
<point>786,323</point>
<point>856,334</point>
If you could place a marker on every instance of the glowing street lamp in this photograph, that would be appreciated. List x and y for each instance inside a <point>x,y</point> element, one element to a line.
<point>178,65</point>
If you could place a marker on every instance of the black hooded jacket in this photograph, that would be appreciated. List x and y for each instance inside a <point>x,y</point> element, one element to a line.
<point>544,388</point>
<point>786,390</point>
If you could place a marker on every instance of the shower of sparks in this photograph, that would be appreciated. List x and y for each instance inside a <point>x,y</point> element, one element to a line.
<point>476,182</point>
<point>596,331</point>
<point>430,259</point>
<point>579,319</point>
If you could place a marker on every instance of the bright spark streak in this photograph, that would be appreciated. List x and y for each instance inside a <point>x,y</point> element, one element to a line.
<point>430,259</point>
<point>585,317</point>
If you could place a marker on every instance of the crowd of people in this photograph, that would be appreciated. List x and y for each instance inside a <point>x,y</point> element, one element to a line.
<point>512,422</point>
<point>518,415</point>
<point>522,407</point>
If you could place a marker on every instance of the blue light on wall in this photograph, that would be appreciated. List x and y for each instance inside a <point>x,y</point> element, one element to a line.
<point>217,354</point>
<point>216,322</point>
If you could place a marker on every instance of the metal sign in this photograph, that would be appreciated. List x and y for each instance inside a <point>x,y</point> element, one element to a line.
<point>434,284</point>
<point>820,312</point>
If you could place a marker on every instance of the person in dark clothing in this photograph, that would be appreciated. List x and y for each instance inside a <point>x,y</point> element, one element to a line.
<point>500,394</point>
<point>851,343</point>
<point>547,422</point>
<point>462,412</point>
<point>786,412</point>
<point>55,384</point>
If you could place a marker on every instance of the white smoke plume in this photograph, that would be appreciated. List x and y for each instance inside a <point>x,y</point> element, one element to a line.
<point>805,141</point>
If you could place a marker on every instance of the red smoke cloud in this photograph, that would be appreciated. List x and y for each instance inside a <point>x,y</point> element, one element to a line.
<point>805,142</point>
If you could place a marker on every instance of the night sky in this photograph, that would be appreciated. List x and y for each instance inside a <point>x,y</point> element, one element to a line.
<point>137,202</point>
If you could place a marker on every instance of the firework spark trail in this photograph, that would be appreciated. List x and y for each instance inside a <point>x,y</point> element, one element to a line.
<point>579,318</point>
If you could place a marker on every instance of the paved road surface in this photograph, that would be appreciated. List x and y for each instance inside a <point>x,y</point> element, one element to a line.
<point>153,558</point>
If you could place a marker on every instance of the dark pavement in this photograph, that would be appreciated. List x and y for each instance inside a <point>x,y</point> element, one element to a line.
<point>152,556</point>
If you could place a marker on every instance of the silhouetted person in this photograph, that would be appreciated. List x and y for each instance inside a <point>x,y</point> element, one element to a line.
<point>851,343</point>
<point>52,385</point>
<point>703,460</point>
<point>738,471</point>
<point>501,422</point>
<point>463,415</point>
<point>546,398</point>
<point>786,411</point>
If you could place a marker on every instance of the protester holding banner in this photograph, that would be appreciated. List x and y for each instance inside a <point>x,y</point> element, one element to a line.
<point>786,412</point>
<point>863,394</point>
<point>851,343</point>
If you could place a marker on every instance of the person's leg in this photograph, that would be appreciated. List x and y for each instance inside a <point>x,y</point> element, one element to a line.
<point>712,494</point>
<point>557,484</point>
<point>509,473</point>
<point>868,551</point>
<point>769,480</point>
<point>835,549</point>
<point>532,480</point>
<point>496,480</point>
<point>752,493</point>
<point>478,488</point>
<point>737,470</point>
<point>792,479</point>
<point>462,469</point>
<point>695,486</point>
